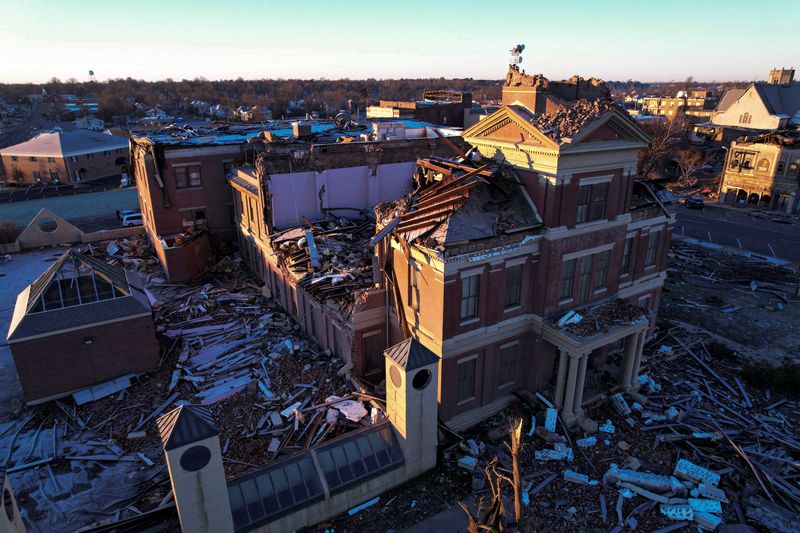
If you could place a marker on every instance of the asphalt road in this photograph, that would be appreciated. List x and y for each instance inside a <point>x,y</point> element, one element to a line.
<point>25,129</point>
<point>740,230</point>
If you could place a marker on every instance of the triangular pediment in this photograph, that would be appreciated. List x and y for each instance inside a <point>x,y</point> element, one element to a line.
<point>510,124</point>
<point>614,125</point>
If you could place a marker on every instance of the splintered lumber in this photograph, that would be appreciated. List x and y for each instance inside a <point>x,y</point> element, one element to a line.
<point>155,413</point>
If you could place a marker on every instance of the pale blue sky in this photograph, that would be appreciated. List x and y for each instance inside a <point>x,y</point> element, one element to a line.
<point>643,40</point>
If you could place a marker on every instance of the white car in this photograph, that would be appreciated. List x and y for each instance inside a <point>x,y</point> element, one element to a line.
<point>133,219</point>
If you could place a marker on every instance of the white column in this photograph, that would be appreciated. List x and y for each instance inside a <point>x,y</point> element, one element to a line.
<point>561,379</point>
<point>638,360</point>
<point>569,396</point>
<point>629,357</point>
<point>581,381</point>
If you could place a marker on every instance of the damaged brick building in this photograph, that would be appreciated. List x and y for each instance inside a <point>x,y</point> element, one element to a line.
<point>482,265</point>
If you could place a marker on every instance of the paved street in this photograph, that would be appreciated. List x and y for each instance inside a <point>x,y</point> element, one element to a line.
<point>738,229</point>
<point>99,205</point>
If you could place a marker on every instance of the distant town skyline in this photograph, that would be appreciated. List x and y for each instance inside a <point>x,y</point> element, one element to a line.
<point>645,41</point>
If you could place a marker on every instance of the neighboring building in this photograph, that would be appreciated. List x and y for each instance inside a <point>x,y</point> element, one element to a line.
<point>324,192</point>
<point>763,171</point>
<point>481,266</point>
<point>81,323</point>
<point>695,105</point>
<point>89,123</point>
<point>440,107</point>
<point>66,157</point>
<point>761,107</point>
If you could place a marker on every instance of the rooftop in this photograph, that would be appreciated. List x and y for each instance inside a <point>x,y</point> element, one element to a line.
<point>76,290</point>
<point>322,131</point>
<point>67,143</point>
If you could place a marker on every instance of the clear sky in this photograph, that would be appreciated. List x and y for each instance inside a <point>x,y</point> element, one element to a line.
<point>612,39</point>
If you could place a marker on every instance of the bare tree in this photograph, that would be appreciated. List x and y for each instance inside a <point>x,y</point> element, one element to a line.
<point>689,160</point>
<point>664,134</point>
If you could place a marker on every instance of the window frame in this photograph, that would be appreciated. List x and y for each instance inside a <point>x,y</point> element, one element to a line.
<point>508,369</point>
<point>461,388</point>
<point>470,297</point>
<point>413,284</point>
<point>600,282</point>
<point>568,269</point>
<point>592,202</point>
<point>187,181</point>
<point>651,252</point>
<point>514,299</point>
<point>373,334</point>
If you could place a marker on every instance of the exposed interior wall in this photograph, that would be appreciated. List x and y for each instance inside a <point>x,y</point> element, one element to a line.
<point>306,194</point>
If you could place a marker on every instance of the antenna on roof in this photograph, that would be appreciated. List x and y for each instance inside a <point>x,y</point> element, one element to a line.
<point>516,54</point>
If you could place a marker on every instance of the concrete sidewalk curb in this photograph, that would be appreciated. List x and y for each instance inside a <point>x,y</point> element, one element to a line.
<point>732,250</point>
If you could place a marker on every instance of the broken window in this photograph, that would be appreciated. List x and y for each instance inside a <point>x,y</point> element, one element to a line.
<point>372,346</point>
<point>466,379</point>
<point>567,278</point>
<point>508,364</point>
<point>335,348</point>
<point>413,285</point>
<point>470,287</point>
<point>781,166</point>
<point>652,247</point>
<point>513,285</point>
<point>188,177</point>
<point>592,202</point>
<point>601,271</point>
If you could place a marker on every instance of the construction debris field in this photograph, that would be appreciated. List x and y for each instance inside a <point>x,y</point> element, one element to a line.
<point>271,392</point>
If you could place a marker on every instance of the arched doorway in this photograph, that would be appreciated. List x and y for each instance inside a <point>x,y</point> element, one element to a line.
<point>766,199</point>
<point>753,198</point>
<point>741,197</point>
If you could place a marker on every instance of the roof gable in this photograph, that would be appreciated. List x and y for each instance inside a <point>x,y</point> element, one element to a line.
<point>622,126</point>
<point>186,424</point>
<point>410,354</point>
<point>508,123</point>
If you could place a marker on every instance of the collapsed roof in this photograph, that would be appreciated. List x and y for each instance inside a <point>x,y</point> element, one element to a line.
<point>456,203</point>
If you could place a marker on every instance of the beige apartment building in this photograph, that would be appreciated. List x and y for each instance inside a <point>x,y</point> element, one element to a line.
<point>763,171</point>
<point>696,104</point>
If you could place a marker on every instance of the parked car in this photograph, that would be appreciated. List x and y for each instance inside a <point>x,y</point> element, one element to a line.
<point>694,202</point>
<point>132,219</point>
<point>121,213</point>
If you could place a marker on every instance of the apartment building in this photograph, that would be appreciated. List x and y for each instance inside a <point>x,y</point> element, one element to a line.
<point>696,105</point>
<point>763,171</point>
<point>65,157</point>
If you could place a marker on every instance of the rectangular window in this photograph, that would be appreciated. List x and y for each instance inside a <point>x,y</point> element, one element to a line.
<point>652,247</point>
<point>413,285</point>
<point>513,285</point>
<point>601,271</point>
<point>37,175</point>
<point>470,287</point>
<point>188,177</point>
<point>583,203</point>
<point>372,344</point>
<point>781,166</point>
<point>32,158</point>
<point>584,276</point>
<point>626,256</point>
<point>466,379</point>
<point>106,153</point>
<point>89,156</point>
<point>51,159</point>
<point>592,202</point>
<point>13,158</point>
<point>508,364</point>
<point>567,278</point>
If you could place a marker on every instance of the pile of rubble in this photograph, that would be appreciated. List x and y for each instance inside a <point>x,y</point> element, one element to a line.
<point>601,318</point>
<point>272,393</point>
<point>704,449</point>
<point>571,118</point>
<point>331,259</point>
